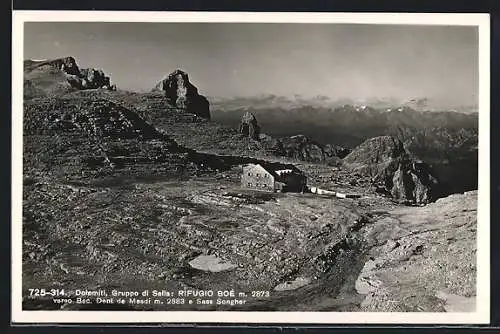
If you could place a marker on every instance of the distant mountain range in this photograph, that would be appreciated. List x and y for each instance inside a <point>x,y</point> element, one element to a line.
<point>263,101</point>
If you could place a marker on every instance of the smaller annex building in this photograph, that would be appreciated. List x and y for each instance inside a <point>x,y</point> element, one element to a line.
<point>273,177</point>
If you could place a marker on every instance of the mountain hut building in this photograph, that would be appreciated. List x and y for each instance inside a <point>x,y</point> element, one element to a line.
<point>274,178</point>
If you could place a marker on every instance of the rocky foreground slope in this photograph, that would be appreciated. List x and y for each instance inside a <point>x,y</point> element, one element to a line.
<point>182,94</point>
<point>424,259</point>
<point>383,160</point>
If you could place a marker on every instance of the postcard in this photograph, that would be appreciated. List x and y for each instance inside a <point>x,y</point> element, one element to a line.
<point>225,167</point>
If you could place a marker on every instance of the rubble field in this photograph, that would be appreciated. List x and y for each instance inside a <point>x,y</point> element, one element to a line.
<point>310,252</point>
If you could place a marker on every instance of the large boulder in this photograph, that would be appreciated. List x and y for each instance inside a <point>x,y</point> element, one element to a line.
<point>181,94</point>
<point>390,167</point>
<point>249,126</point>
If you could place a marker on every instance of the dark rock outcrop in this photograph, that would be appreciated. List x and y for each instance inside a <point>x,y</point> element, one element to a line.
<point>92,78</point>
<point>249,126</point>
<point>180,93</point>
<point>303,148</point>
<point>390,167</point>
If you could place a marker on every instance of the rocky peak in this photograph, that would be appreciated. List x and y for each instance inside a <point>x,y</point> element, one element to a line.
<point>59,76</point>
<point>391,168</point>
<point>180,93</point>
<point>377,149</point>
<point>302,148</point>
<point>66,64</point>
<point>249,126</point>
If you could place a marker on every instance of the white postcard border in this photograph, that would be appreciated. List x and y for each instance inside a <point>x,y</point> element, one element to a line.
<point>482,314</point>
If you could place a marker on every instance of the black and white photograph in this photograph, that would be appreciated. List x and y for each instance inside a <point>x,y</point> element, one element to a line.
<point>321,169</point>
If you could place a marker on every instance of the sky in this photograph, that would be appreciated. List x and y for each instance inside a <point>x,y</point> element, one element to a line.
<point>247,59</point>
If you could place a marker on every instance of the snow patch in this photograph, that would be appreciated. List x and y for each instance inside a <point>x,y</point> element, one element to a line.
<point>293,285</point>
<point>210,263</point>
